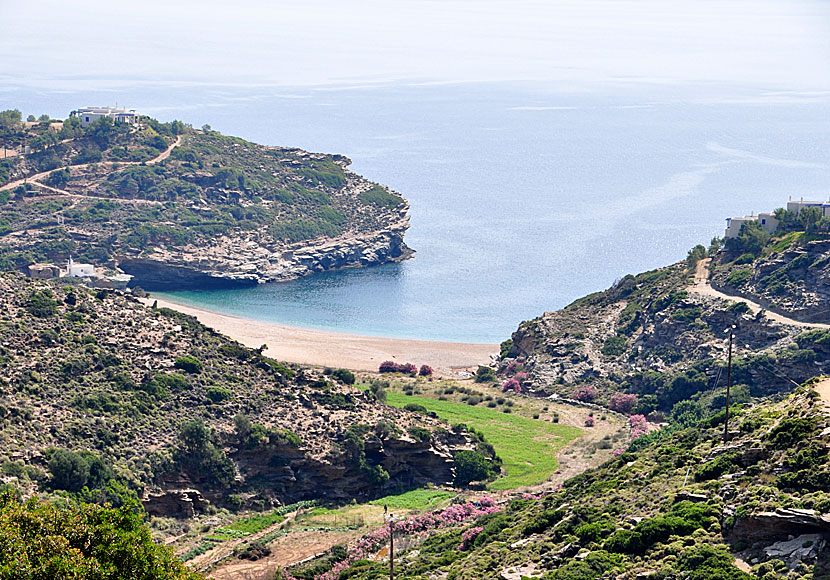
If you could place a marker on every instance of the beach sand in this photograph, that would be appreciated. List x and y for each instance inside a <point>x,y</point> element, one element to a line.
<point>334,349</point>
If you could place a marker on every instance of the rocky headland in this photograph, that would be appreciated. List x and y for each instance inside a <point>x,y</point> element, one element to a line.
<point>180,208</point>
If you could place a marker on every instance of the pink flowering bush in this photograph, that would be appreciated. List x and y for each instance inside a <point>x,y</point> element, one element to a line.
<point>638,425</point>
<point>618,452</point>
<point>521,377</point>
<point>511,385</point>
<point>622,403</point>
<point>468,536</point>
<point>586,394</point>
<point>513,368</point>
<point>589,422</point>
<point>426,371</point>
<point>389,366</point>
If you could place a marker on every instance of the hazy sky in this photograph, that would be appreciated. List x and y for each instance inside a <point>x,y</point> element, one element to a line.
<point>776,44</point>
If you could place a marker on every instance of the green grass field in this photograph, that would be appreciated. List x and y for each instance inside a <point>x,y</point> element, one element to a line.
<point>528,447</point>
<point>417,499</point>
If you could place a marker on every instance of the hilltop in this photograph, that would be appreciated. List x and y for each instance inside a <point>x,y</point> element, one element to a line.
<point>178,207</point>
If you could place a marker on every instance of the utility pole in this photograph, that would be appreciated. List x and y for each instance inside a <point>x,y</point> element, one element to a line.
<point>728,382</point>
<point>391,548</point>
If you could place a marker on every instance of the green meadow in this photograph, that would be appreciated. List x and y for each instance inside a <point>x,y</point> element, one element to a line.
<point>528,447</point>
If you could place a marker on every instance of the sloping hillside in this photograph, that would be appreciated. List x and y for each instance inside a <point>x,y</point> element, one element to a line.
<point>97,388</point>
<point>678,504</point>
<point>651,341</point>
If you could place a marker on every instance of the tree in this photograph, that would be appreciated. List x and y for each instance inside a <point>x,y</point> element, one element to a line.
<point>695,255</point>
<point>809,218</point>
<point>10,119</point>
<point>470,466</point>
<point>715,245</point>
<point>70,470</point>
<point>31,119</point>
<point>44,118</point>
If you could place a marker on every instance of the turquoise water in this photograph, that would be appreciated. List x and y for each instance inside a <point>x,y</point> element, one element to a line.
<point>523,197</point>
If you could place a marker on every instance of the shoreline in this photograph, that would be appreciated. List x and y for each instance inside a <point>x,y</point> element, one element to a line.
<point>340,350</point>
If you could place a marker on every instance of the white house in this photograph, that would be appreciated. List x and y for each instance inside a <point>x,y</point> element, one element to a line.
<point>89,115</point>
<point>74,270</point>
<point>767,221</point>
<point>797,206</point>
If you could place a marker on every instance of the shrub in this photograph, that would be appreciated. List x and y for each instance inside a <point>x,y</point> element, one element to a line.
<point>614,346</point>
<point>589,422</point>
<point>470,466</point>
<point>345,376</point>
<point>739,277</point>
<point>485,375</point>
<point>622,402</point>
<point>41,304</point>
<point>393,367</point>
<point>217,394</point>
<point>378,196</point>
<point>82,541</point>
<point>189,364</point>
<point>586,394</point>
<point>511,385</point>
<point>425,371</point>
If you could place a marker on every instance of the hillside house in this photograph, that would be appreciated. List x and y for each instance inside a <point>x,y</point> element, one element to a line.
<point>797,206</point>
<point>766,220</point>
<point>89,115</point>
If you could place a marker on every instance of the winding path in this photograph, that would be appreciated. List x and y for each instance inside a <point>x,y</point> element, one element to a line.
<point>35,179</point>
<point>702,287</point>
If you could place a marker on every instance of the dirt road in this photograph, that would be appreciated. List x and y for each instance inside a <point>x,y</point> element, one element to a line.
<point>34,179</point>
<point>702,287</point>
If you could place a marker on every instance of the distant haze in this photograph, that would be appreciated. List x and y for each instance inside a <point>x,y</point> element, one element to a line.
<point>775,44</point>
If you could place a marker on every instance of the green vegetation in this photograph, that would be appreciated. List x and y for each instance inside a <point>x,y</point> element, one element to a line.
<point>417,499</point>
<point>83,542</point>
<point>379,196</point>
<point>527,447</point>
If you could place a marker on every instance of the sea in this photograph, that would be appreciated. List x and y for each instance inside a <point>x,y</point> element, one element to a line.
<point>524,195</point>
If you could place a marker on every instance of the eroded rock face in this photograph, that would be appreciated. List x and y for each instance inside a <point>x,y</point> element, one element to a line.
<point>175,502</point>
<point>780,525</point>
<point>233,262</point>
<point>291,475</point>
<point>805,548</point>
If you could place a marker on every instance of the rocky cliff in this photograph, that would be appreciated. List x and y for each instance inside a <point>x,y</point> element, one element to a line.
<point>791,276</point>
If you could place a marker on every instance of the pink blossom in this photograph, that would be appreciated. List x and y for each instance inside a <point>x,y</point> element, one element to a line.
<point>622,402</point>
<point>589,422</point>
<point>586,394</point>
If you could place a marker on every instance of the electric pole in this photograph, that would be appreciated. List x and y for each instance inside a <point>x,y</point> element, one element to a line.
<point>728,383</point>
<point>391,548</point>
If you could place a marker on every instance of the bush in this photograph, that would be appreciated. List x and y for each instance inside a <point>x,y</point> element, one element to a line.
<point>393,367</point>
<point>586,394</point>
<point>189,364</point>
<point>217,394</point>
<point>622,403</point>
<point>614,346</point>
<point>41,304</point>
<point>739,277</point>
<point>485,375</point>
<point>470,466</point>
<point>378,196</point>
<point>425,371</point>
<point>345,376</point>
<point>81,541</point>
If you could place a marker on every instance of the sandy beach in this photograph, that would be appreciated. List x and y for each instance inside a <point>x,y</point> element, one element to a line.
<point>334,349</point>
